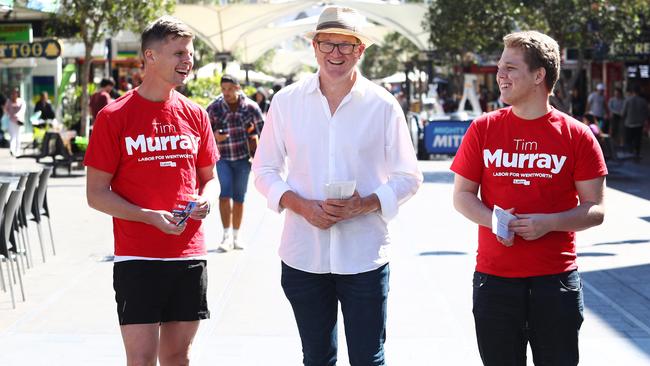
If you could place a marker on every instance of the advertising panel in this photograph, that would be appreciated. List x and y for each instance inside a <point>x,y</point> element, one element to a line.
<point>444,137</point>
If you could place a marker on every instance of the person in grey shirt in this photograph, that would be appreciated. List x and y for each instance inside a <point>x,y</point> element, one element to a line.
<point>615,105</point>
<point>635,114</point>
<point>596,105</point>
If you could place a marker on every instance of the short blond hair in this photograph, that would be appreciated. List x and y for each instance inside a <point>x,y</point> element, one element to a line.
<point>161,28</point>
<point>539,50</point>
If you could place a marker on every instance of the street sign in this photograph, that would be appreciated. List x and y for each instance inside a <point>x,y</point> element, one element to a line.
<point>223,56</point>
<point>638,71</point>
<point>21,32</point>
<point>48,48</point>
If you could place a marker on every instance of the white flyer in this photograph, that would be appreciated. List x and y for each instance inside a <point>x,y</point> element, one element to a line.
<point>500,221</point>
<point>340,190</point>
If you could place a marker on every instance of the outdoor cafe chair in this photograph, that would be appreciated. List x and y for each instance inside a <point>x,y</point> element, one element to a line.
<point>45,150</point>
<point>25,207</point>
<point>7,246</point>
<point>4,192</point>
<point>63,156</point>
<point>22,181</point>
<point>54,148</point>
<point>40,207</point>
<point>21,243</point>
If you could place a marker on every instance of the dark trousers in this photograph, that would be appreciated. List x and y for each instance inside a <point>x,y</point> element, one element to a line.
<point>314,299</point>
<point>511,312</point>
<point>616,128</point>
<point>633,139</point>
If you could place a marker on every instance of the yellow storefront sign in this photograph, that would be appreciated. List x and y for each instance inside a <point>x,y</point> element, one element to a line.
<point>48,48</point>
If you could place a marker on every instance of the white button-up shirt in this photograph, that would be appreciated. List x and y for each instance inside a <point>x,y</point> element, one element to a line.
<point>365,140</point>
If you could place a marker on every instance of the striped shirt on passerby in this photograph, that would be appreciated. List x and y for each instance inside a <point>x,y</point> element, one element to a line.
<point>235,147</point>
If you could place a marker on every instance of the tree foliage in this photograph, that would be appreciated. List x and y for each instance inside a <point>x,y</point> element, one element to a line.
<point>593,26</point>
<point>384,60</point>
<point>596,26</point>
<point>586,24</point>
<point>457,27</point>
<point>204,90</point>
<point>581,24</point>
<point>203,54</point>
<point>95,19</point>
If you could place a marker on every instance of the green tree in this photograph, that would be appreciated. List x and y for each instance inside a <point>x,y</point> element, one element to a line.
<point>584,25</point>
<point>203,54</point>
<point>203,91</point>
<point>94,19</point>
<point>459,27</point>
<point>384,60</point>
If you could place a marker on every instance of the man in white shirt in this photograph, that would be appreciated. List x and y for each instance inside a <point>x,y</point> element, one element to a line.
<point>330,127</point>
<point>596,105</point>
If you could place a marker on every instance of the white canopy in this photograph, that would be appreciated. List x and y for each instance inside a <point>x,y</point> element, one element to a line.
<point>249,30</point>
<point>400,77</point>
<point>288,62</point>
<point>223,27</point>
<point>405,19</point>
<point>256,43</point>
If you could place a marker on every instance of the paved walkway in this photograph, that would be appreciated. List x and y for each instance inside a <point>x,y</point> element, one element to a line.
<point>69,316</point>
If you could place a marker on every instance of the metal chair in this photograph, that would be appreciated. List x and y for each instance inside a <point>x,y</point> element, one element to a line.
<point>7,246</point>
<point>4,192</point>
<point>22,220</point>
<point>40,207</point>
<point>22,181</point>
<point>46,149</point>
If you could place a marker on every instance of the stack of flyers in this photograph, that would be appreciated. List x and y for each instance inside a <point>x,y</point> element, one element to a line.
<point>500,221</point>
<point>184,214</point>
<point>340,190</point>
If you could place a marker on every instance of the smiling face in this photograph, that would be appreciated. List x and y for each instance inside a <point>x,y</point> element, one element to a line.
<point>170,61</point>
<point>335,65</point>
<point>516,82</point>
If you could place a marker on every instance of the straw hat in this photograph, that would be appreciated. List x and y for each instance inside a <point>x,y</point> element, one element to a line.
<point>341,20</point>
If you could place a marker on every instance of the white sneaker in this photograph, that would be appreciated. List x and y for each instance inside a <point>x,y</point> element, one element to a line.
<point>226,244</point>
<point>237,244</point>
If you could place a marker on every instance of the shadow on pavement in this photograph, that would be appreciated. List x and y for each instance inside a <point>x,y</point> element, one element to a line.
<point>621,297</point>
<point>632,177</point>
<point>442,252</point>
<point>632,241</point>
<point>438,177</point>
<point>595,254</point>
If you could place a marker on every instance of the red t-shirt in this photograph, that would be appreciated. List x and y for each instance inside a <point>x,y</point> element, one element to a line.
<point>153,150</point>
<point>531,165</point>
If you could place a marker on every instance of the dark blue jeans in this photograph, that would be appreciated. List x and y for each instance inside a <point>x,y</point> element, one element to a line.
<point>314,299</point>
<point>545,311</point>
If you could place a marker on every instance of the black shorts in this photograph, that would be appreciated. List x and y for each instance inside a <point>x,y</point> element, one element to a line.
<point>160,291</point>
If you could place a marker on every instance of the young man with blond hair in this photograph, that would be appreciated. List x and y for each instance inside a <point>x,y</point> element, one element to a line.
<point>546,169</point>
<point>152,153</point>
